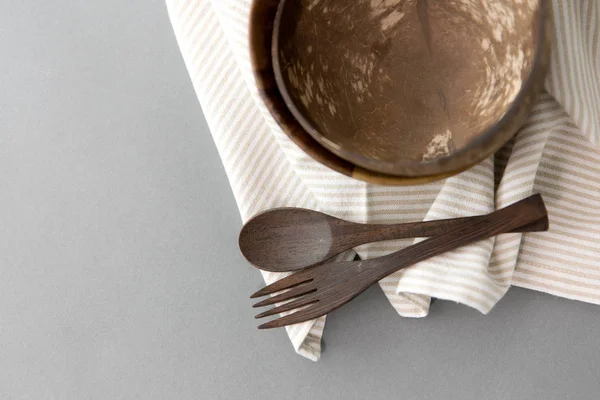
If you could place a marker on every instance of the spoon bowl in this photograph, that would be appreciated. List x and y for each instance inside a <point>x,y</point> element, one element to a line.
<point>289,238</point>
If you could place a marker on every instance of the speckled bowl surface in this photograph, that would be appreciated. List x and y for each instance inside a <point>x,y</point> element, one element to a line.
<point>400,91</point>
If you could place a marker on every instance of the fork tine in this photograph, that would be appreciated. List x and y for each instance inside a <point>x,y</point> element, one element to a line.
<point>292,305</point>
<point>307,314</point>
<point>297,291</point>
<point>286,283</point>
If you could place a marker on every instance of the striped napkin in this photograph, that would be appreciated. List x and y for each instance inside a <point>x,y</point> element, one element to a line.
<point>556,153</point>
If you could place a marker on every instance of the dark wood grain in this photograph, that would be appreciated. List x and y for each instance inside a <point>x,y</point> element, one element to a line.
<point>290,239</point>
<point>324,288</point>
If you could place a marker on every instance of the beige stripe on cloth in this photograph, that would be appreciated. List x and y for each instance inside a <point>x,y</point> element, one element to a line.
<point>555,154</point>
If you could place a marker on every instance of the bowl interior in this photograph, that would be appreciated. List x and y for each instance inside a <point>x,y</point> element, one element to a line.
<point>407,87</point>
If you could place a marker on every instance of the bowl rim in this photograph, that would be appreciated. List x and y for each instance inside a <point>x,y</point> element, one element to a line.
<point>480,147</point>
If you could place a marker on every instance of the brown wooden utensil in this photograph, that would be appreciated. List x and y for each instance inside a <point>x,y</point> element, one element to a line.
<point>290,239</point>
<point>326,287</point>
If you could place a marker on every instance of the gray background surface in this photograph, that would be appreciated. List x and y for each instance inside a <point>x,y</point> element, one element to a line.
<point>120,277</point>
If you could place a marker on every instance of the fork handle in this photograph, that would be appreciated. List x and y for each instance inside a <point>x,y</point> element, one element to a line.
<point>520,214</point>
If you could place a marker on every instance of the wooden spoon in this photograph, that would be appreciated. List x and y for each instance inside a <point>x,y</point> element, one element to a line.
<point>289,239</point>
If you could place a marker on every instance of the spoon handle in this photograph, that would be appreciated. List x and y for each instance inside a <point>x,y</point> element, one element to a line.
<point>358,234</point>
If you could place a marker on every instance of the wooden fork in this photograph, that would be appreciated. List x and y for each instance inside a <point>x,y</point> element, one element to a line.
<point>317,291</point>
